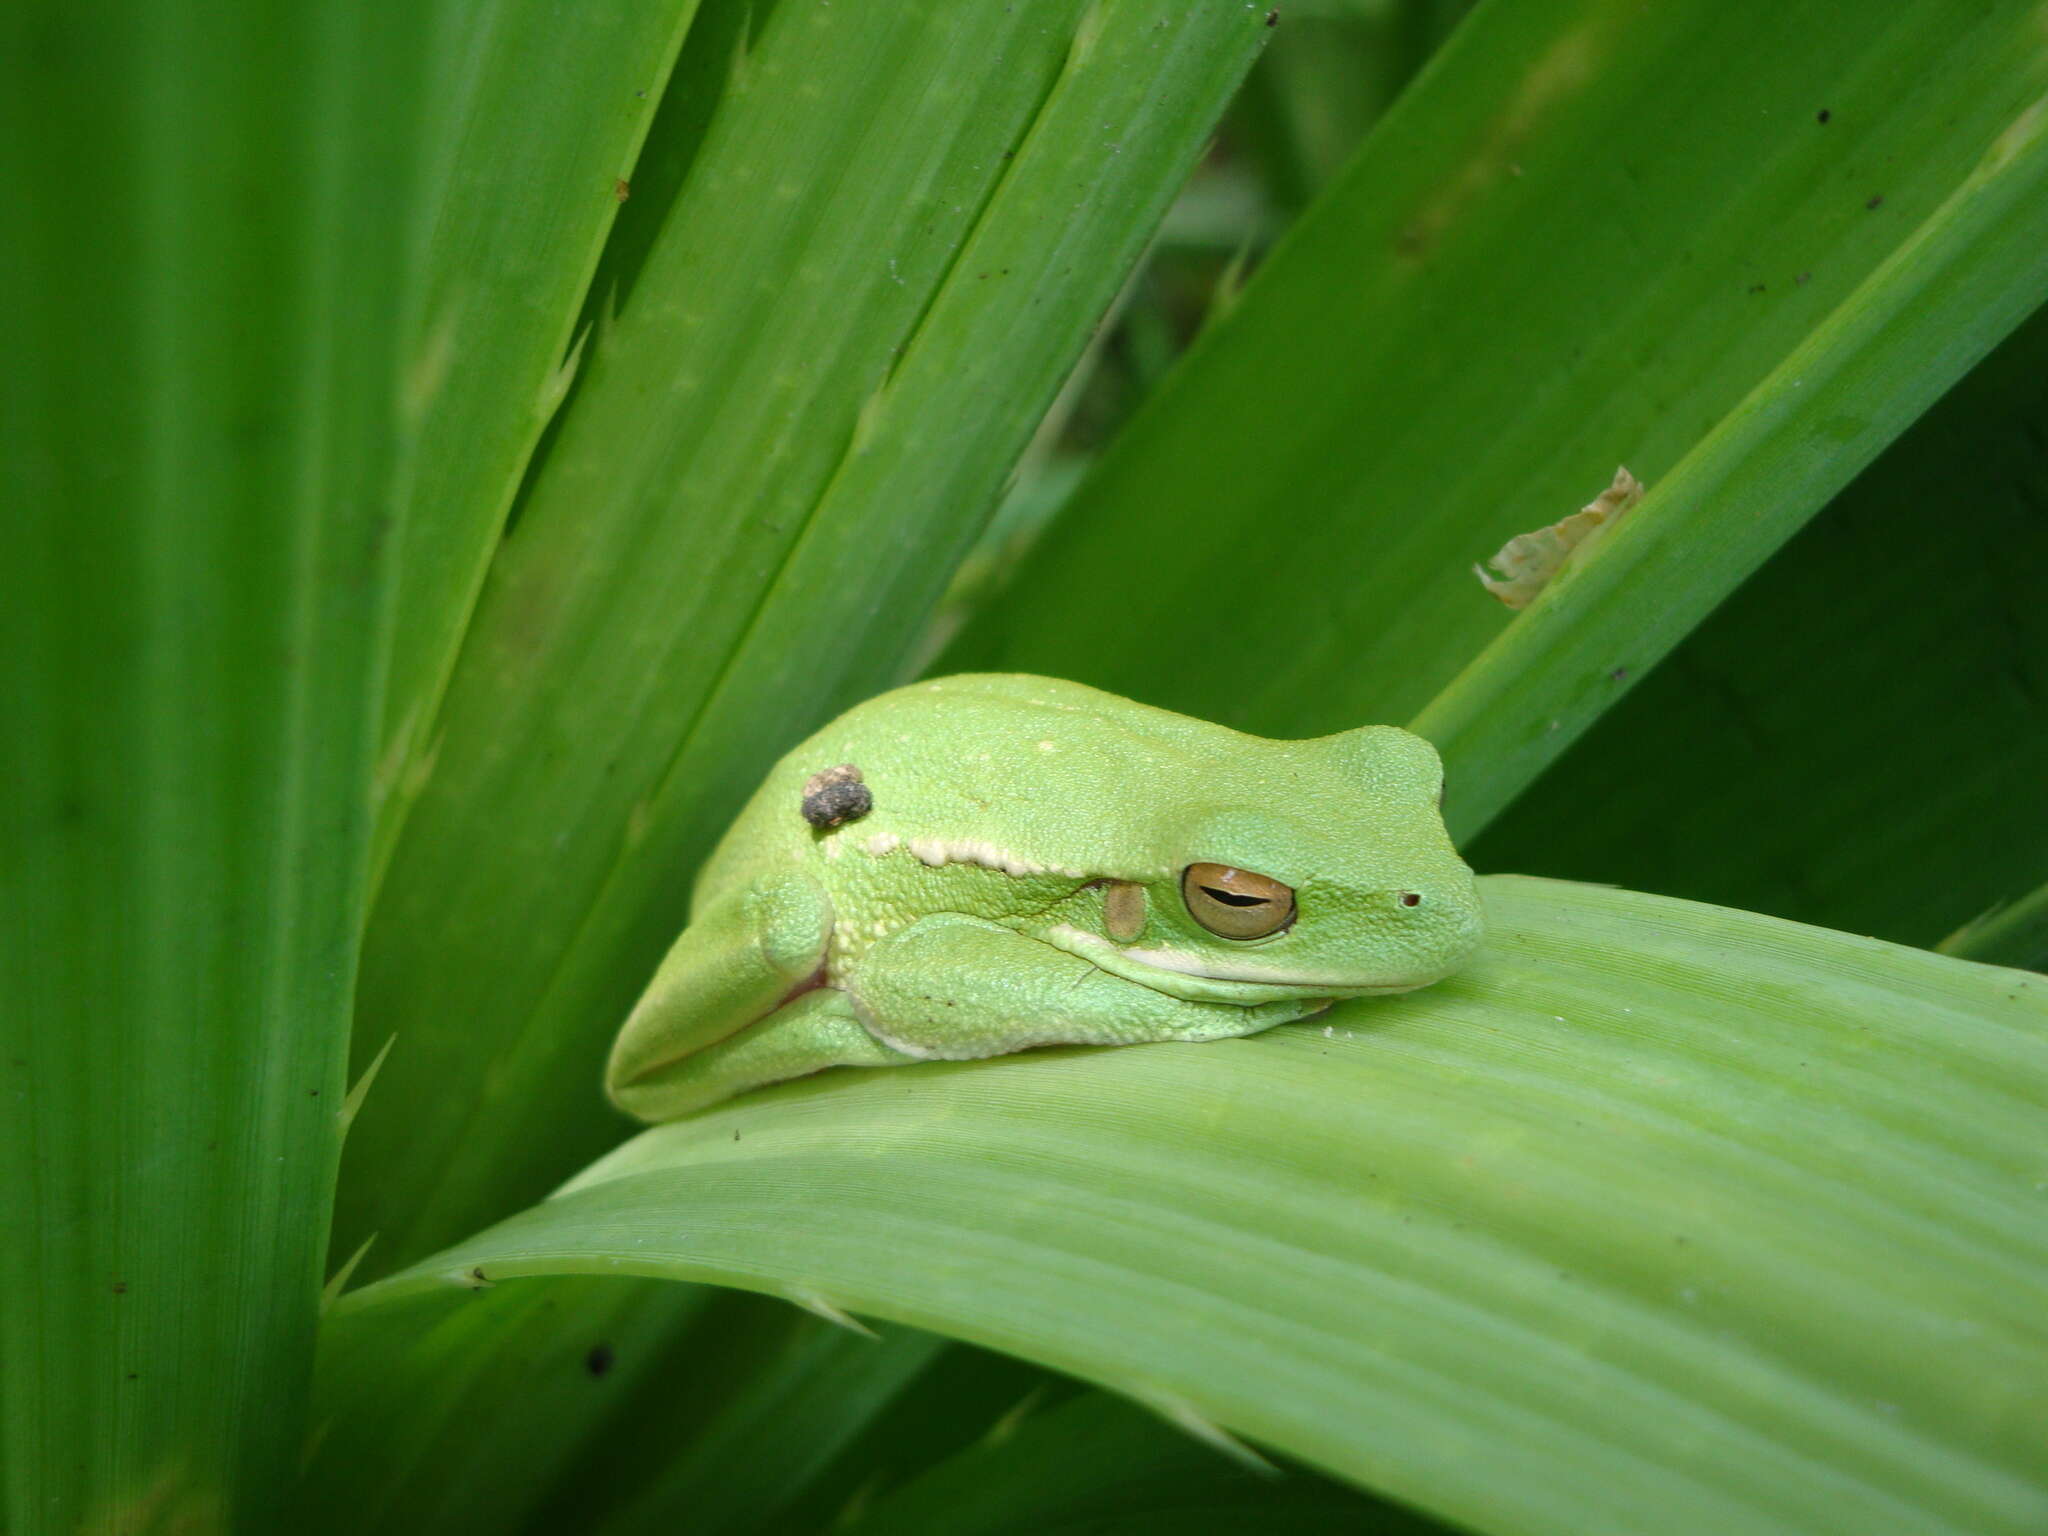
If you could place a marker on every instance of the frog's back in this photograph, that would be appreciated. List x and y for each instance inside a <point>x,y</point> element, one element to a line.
<point>1029,774</point>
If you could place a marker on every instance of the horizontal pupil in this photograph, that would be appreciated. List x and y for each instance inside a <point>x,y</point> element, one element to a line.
<point>1232,899</point>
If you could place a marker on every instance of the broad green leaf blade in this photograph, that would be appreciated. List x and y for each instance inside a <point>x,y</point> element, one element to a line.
<point>552,109</point>
<point>434,1420</point>
<point>1582,239</point>
<point>209,214</point>
<point>765,1406</point>
<point>887,249</point>
<point>1971,272</point>
<point>964,1397</point>
<point>1101,1464</point>
<point>1659,1217</point>
<point>1859,736</point>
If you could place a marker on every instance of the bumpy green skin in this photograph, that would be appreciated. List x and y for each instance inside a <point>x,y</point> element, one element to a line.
<point>964,915</point>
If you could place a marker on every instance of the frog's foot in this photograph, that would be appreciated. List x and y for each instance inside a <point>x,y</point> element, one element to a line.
<point>744,957</point>
<point>809,1033</point>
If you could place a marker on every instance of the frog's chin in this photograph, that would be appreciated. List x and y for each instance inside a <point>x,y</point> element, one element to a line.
<point>1200,979</point>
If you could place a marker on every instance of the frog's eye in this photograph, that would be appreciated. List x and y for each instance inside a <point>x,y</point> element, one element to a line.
<point>1235,903</point>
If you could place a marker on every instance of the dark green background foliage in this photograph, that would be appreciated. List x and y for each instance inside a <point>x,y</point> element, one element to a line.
<point>451,449</point>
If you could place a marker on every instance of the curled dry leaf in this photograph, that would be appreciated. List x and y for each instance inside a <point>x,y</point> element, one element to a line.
<point>1528,561</point>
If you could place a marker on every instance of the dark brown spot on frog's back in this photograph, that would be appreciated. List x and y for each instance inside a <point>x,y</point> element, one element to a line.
<point>836,796</point>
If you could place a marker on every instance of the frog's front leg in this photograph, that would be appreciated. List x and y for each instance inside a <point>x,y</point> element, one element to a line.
<point>956,988</point>
<point>807,1034</point>
<point>740,959</point>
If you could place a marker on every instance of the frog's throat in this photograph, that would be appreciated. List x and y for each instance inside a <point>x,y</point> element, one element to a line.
<point>1179,975</point>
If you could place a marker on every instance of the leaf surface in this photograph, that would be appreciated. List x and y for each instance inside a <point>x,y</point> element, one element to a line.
<point>210,216</point>
<point>1592,234</point>
<point>1858,737</point>
<point>547,113</point>
<point>1659,1216</point>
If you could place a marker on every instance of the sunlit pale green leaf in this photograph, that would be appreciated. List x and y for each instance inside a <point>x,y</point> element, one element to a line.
<point>1659,1216</point>
<point>207,216</point>
<point>857,305</point>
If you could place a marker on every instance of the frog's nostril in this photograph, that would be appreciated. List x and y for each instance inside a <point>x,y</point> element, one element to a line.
<point>1411,898</point>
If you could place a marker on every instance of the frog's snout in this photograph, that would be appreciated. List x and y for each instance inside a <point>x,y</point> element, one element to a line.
<point>1435,925</point>
<point>1423,901</point>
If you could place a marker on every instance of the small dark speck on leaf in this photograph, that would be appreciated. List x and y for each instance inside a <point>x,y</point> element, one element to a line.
<point>1756,287</point>
<point>735,1135</point>
<point>120,1287</point>
<point>1876,201</point>
<point>599,1360</point>
<point>134,1375</point>
<point>622,189</point>
<point>1822,115</point>
<point>1619,674</point>
<point>1273,17</point>
<point>1803,277</point>
<point>477,1274</point>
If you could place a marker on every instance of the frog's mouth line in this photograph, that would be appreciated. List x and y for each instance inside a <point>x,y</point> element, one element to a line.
<point>1166,960</point>
<point>1166,971</point>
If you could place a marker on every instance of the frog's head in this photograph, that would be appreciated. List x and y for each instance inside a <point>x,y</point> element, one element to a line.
<point>1327,872</point>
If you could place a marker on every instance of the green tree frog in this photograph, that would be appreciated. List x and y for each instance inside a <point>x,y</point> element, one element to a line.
<point>987,863</point>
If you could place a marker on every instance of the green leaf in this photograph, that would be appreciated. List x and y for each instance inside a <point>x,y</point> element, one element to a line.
<point>964,1397</point>
<point>853,314</point>
<point>739,1427</point>
<point>428,1419</point>
<point>1659,1216</point>
<point>210,215</point>
<point>1858,737</point>
<point>1975,268</point>
<point>550,118</point>
<point>1100,1464</point>
<point>1585,237</point>
<point>2013,934</point>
